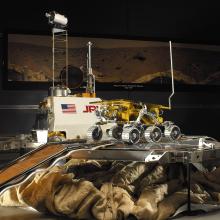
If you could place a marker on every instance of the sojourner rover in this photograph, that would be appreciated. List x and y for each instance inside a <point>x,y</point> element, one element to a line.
<point>132,122</point>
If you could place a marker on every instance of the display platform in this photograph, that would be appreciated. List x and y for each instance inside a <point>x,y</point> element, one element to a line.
<point>191,151</point>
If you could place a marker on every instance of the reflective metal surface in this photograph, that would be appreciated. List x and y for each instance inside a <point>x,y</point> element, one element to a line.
<point>189,150</point>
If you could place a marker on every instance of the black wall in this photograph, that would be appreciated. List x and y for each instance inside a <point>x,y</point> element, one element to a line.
<point>187,21</point>
<point>196,112</point>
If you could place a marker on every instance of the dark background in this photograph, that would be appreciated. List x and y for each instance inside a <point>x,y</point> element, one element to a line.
<point>197,111</point>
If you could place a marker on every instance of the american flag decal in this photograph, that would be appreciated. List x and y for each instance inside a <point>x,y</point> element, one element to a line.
<point>68,108</point>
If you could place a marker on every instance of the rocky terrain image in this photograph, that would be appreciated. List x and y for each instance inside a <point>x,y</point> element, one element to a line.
<point>118,62</point>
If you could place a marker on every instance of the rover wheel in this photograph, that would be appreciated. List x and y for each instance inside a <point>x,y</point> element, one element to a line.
<point>131,135</point>
<point>115,132</point>
<point>94,133</point>
<point>172,132</point>
<point>153,134</point>
<point>56,138</point>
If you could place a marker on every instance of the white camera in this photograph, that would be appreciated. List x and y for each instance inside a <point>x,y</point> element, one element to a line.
<point>56,19</point>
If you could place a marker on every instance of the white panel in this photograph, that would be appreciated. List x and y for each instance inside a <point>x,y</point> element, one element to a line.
<point>75,124</point>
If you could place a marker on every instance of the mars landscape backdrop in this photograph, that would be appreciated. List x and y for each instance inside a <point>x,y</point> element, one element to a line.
<point>115,60</point>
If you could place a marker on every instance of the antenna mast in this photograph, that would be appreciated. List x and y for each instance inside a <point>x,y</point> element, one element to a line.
<point>90,87</point>
<point>172,77</point>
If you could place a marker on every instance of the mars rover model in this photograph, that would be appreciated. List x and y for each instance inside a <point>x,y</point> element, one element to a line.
<point>122,120</point>
<point>132,122</point>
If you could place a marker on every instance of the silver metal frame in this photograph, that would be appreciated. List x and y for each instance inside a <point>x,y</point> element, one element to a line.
<point>59,46</point>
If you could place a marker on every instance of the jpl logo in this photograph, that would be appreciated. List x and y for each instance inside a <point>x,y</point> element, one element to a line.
<point>90,108</point>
